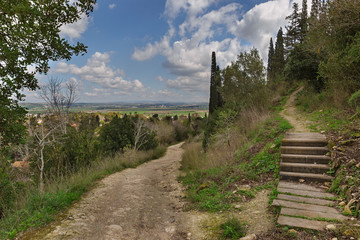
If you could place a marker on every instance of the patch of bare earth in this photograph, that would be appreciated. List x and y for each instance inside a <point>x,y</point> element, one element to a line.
<point>290,113</point>
<point>205,226</point>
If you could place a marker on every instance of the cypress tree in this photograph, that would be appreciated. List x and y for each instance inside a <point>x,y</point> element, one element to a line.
<point>218,86</point>
<point>215,84</point>
<point>278,61</point>
<point>270,73</point>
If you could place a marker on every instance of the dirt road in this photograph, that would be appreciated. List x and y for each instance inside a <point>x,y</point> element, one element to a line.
<point>141,203</point>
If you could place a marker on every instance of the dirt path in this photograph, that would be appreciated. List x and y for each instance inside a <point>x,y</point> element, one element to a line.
<point>141,203</point>
<point>290,113</point>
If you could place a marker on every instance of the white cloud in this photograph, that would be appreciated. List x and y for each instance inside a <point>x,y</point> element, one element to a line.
<point>260,23</point>
<point>189,58</point>
<point>226,30</point>
<point>74,30</point>
<point>160,78</point>
<point>152,50</point>
<point>111,6</point>
<point>190,7</point>
<point>99,72</point>
<point>88,94</point>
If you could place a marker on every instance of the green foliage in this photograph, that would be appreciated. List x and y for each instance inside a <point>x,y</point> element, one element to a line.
<point>213,189</point>
<point>116,135</point>
<point>336,183</point>
<point>302,64</point>
<point>233,229</point>
<point>35,23</point>
<point>278,61</point>
<point>244,82</point>
<point>270,73</point>
<point>215,83</point>
<point>7,191</point>
<point>354,100</point>
<point>293,30</point>
<point>79,149</point>
<point>12,118</point>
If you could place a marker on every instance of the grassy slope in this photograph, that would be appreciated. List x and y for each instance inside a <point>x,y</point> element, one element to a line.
<point>342,128</point>
<point>255,164</point>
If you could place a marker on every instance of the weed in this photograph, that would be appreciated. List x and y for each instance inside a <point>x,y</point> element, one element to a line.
<point>233,229</point>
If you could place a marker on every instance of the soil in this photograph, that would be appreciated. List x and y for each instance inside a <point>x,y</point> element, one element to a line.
<point>293,116</point>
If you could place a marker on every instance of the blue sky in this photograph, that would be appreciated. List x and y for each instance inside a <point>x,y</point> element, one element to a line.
<point>160,50</point>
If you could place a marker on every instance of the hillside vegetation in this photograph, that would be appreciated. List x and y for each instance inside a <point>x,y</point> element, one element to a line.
<point>64,155</point>
<point>239,152</point>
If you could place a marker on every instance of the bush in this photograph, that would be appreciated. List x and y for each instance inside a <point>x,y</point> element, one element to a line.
<point>7,192</point>
<point>116,135</point>
<point>165,132</point>
<point>181,131</point>
<point>354,100</point>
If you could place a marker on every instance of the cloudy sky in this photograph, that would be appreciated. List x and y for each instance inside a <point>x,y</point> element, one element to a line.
<point>160,50</point>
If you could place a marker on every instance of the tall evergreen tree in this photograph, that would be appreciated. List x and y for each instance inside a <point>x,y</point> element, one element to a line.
<point>270,73</point>
<point>278,61</point>
<point>303,20</point>
<point>293,29</point>
<point>314,8</point>
<point>215,84</point>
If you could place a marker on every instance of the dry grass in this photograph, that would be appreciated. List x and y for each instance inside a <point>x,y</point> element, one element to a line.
<point>220,152</point>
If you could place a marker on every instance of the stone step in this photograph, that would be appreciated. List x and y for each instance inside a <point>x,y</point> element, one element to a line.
<point>295,158</point>
<point>304,135</point>
<point>304,167</point>
<point>305,193</point>
<point>302,223</point>
<point>305,142</point>
<point>300,186</point>
<point>304,150</point>
<point>306,176</point>
<point>312,214</point>
<point>315,201</point>
<point>305,206</point>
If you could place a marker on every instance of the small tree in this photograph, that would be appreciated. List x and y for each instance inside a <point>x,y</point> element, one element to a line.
<point>144,138</point>
<point>30,36</point>
<point>43,132</point>
<point>59,97</point>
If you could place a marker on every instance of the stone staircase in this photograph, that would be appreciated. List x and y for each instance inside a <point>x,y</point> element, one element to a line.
<point>303,156</point>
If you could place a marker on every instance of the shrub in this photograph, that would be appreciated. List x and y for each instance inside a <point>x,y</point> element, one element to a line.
<point>7,192</point>
<point>354,100</point>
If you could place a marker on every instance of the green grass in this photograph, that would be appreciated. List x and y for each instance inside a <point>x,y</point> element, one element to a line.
<point>37,209</point>
<point>233,229</point>
<point>215,189</point>
<point>315,218</point>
